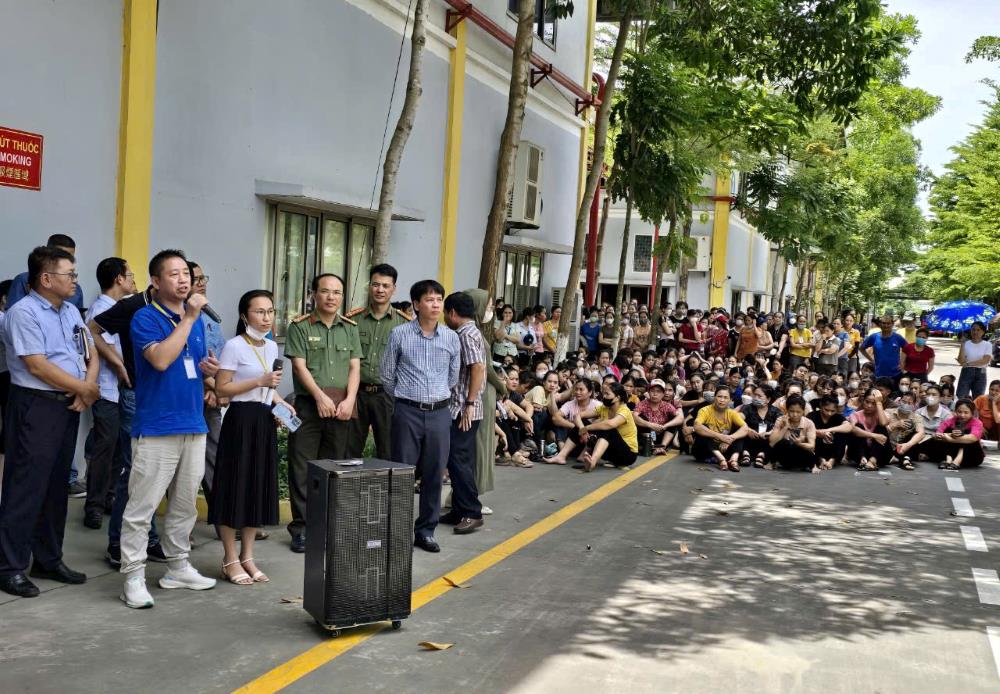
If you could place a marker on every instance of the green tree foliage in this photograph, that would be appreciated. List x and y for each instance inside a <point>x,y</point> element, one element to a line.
<point>964,240</point>
<point>984,48</point>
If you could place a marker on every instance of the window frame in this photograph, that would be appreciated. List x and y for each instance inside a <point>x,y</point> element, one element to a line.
<point>539,22</point>
<point>314,254</point>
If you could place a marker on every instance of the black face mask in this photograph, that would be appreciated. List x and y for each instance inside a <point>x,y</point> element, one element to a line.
<point>608,402</point>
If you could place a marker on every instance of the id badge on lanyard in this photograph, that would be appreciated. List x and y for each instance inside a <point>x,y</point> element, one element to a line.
<point>189,367</point>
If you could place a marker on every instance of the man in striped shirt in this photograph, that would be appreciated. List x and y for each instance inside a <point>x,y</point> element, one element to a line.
<point>466,414</point>
<point>420,366</point>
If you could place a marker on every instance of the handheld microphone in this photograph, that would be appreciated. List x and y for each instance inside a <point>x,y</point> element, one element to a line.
<point>210,312</point>
<point>278,365</point>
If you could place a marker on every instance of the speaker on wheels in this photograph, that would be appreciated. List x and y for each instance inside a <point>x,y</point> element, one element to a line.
<point>359,542</point>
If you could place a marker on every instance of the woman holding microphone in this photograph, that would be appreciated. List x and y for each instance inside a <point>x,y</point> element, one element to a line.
<point>245,493</point>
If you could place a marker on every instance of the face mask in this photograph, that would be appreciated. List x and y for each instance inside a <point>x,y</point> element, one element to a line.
<point>643,321</point>
<point>772,383</point>
<point>757,402</point>
<point>488,316</point>
<point>905,408</point>
<point>609,321</point>
<point>608,402</point>
<point>946,401</point>
<point>719,374</point>
<point>581,373</point>
<point>671,361</point>
<point>679,392</point>
<point>739,324</point>
<point>921,341</point>
<point>708,395</point>
<point>253,333</point>
<point>853,384</point>
<point>540,374</point>
<point>793,323</point>
<point>904,389</point>
<point>932,400</point>
<point>593,319</point>
<point>747,400</point>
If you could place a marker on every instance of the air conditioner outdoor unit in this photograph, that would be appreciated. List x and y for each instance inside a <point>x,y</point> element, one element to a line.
<point>703,257</point>
<point>559,298</point>
<point>524,204</point>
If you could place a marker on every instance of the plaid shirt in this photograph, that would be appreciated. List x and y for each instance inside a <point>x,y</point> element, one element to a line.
<point>473,352</point>
<point>420,368</point>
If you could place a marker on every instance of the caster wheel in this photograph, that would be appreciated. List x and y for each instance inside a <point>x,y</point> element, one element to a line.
<point>334,633</point>
<point>396,624</point>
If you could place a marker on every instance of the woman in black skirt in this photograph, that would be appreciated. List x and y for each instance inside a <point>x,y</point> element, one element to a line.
<point>245,490</point>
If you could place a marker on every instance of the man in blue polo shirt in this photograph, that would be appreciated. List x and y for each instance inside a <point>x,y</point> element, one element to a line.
<point>883,349</point>
<point>168,450</point>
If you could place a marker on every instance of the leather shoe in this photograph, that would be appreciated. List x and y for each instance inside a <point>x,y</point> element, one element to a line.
<point>468,525</point>
<point>93,520</point>
<point>19,585</point>
<point>427,544</point>
<point>299,543</point>
<point>451,518</point>
<point>60,572</point>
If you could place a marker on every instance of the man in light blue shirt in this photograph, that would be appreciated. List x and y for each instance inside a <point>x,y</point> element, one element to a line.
<point>20,289</point>
<point>53,370</point>
<point>116,281</point>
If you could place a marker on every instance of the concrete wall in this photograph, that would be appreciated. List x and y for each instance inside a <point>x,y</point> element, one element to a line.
<point>45,91</point>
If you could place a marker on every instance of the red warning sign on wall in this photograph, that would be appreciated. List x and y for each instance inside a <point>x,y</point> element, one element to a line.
<point>20,159</point>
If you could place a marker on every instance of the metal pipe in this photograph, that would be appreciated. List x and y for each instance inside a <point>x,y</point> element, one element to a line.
<point>465,10</point>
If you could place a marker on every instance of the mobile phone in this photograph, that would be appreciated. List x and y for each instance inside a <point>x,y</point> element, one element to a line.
<point>285,416</point>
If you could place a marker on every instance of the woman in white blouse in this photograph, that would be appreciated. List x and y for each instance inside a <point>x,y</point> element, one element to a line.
<point>974,356</point>
<point>245,490</point>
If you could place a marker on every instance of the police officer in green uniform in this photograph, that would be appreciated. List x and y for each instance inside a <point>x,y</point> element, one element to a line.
<point>375,322</point>
<point>326,369</point>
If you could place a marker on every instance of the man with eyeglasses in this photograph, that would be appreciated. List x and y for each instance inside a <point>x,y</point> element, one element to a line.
<point>375,322</point>
<point>54,372</point>
<point>21,287</point>
<point>215,340</point>
<point>325,351</point>
<point>116,281</point>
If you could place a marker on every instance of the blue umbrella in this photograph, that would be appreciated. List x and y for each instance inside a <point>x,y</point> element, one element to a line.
<point>956,316</point>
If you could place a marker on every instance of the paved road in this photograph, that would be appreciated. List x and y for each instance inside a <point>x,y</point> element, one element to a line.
<point>828,583</point>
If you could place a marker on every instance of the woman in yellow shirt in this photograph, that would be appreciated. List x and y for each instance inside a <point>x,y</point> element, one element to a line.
<point>550,330</point>
<point>617,440</point>
<point>719,432</point>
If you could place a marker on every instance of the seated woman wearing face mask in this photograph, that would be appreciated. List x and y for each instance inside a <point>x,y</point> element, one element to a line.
<point>906,430</point>
<point>614,434</point>
<point>760,416</point>
<point>869,446</point>
<point>959,439</point>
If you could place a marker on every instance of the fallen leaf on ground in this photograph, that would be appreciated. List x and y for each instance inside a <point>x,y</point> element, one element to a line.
<point>291,601</point>
<point>702,467</point>
<point>844,520</point>
<point>453,584</point>
<point>432,646</point>
<point>722,513</point>
<point>703,556</point>
<point>914,493</point>
<point>555,500</point>
<point>729,485</point>
<point>684,548</point>
<point>659,551</point>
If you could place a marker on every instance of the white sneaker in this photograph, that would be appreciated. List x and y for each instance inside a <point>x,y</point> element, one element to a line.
<point>135,594</point>
<point>487,511</point>
<point>188,577</point>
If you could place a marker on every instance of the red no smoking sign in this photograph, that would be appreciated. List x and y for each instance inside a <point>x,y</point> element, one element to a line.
<point>20,159</point>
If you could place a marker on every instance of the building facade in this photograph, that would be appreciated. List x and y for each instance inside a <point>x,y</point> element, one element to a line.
<point>249,134</point>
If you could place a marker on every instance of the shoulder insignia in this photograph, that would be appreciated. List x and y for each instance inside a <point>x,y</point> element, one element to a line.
<point>347,320</point>
<point>406,316</point>
<point>354,312</point>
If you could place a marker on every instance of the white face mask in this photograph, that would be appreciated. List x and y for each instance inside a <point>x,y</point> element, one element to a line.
<point>720,374</point>
<point>671,361</point>
<point>747,399</point>
<point>932,400</point>
<point>679,391</point>
<point>904,389</point>
<point>609,321</point>
<point>253,333</point>
<point>772,383</point>
<point>841,400</point>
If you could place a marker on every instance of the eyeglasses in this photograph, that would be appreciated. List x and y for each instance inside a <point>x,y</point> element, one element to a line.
<point>262,312</point>
<point>71,275</point>
<point>201,280</point>
<point>129,275</point>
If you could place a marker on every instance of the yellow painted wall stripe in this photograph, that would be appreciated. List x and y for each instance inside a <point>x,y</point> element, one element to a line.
<point>452,159</point>
<point>720,237</point>
<point>322,653</point>
<point>135,135</point>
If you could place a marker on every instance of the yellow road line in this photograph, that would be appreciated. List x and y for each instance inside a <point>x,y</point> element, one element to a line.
<point>322,653</point>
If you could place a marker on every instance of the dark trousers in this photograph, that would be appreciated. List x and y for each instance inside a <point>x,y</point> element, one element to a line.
<point>791,457</point>
<point>834,450</point>
<point>756,446</point>
<point>4,395</point>
<point>41,440</point>
<point>704,445</point>
<point>937,450</point>
<point>863,447</point>
<point>123,466</point>
<point>375,411</point>
<point>423,439</point>
<point>316,439</point>
<point>462,471</point>
<point>971,382</point>
<point>104,439</point>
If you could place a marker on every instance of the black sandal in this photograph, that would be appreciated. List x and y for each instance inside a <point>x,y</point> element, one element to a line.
<point>906,463</point>
<point>760,460</point>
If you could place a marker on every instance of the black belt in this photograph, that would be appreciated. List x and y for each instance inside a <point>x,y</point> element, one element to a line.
<point>425,406</point>
<point>47,394</point>
<point>372,387</point>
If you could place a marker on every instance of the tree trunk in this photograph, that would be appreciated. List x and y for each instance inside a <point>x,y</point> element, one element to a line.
<point>600,142</point>
<point>661,265</point>
<point>622,261</point>
<point>404,126</point>
<point>801,284</point>
<point>600,242</point>
<point>509,141</point>
<point>784,284</point>
<point>685,268</point>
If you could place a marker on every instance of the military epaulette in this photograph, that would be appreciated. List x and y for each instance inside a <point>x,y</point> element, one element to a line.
<point>354,312</point>
<point>347,320</point>
<point>404,314</point>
